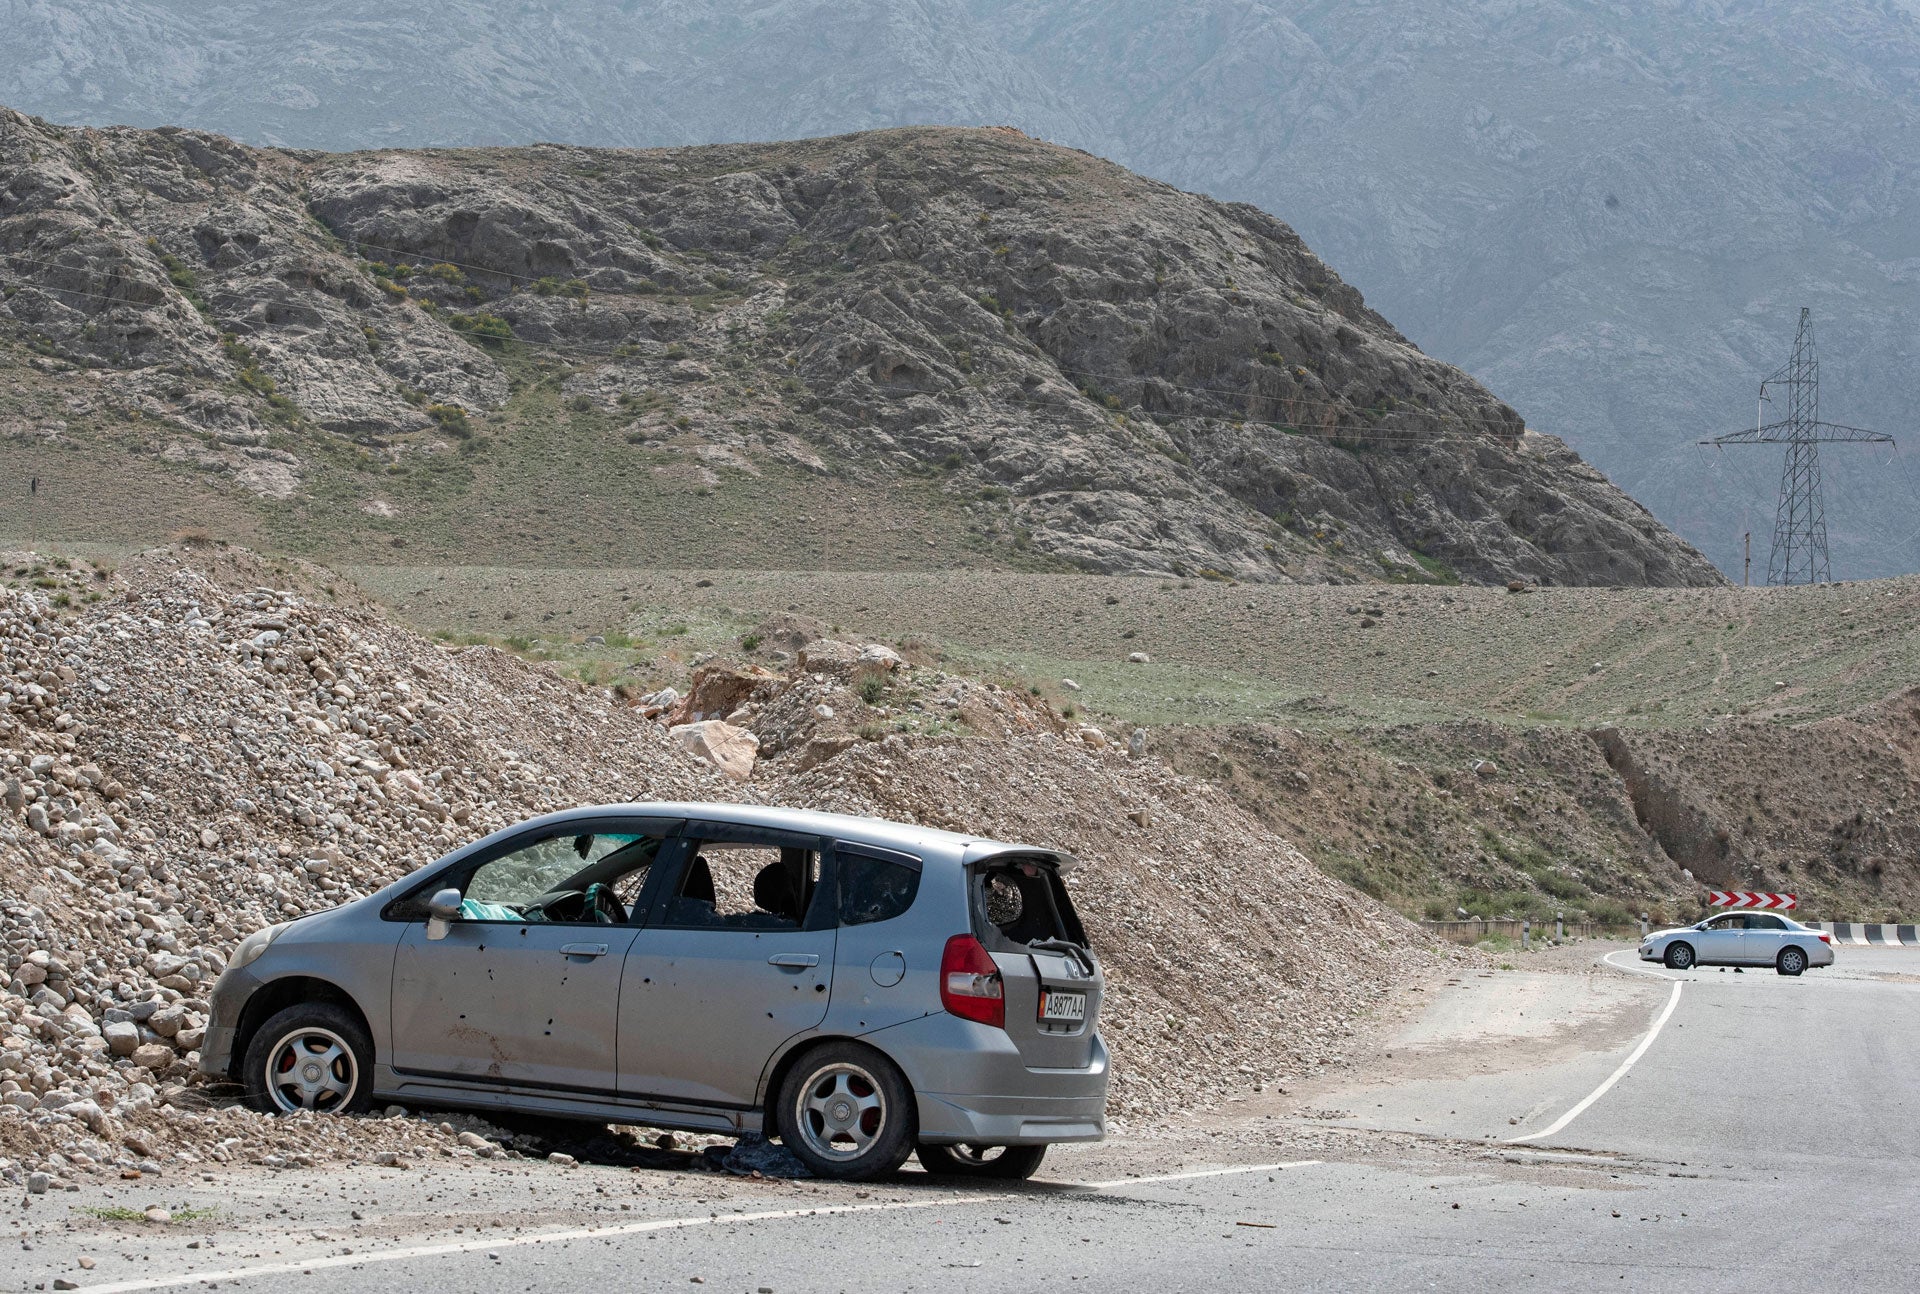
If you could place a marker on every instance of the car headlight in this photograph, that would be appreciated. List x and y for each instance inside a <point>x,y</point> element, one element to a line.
<point>253,945</point>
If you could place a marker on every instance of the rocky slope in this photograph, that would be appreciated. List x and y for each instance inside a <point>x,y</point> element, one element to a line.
<point>1609,213</point>
<point>203,743</point>
<point>1070,364</point>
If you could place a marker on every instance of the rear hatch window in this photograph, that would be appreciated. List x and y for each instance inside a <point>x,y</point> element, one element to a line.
<point>1024,916</point>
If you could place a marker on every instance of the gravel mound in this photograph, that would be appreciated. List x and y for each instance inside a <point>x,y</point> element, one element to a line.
<point>194,756</point>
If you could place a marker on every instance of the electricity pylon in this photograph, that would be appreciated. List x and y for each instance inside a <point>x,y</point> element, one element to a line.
<point>1800,523</point>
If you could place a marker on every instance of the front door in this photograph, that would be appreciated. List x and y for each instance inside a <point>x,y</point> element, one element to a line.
<point>1722,943</point>
<point>736,958</point>
<point>524,988</point>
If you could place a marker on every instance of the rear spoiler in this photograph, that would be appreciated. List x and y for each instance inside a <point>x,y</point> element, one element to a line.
<point>984,852</point>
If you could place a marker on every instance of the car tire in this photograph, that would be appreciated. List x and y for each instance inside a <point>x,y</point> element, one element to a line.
<point>311,1056</point>
<point>846,1112</point>
<point>1004,1163</point>
<point>1679,956</point>
<point>1792,961</point>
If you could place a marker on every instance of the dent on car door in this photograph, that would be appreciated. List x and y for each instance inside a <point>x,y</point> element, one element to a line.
<point>736,957</point>
<point>523,988</point>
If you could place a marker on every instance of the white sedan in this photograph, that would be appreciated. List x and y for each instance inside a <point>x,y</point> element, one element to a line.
<point>1741,939</point>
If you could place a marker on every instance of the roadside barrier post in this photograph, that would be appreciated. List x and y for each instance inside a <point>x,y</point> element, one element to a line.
<point>1559,927</point>
<point>1643,925</point>
<point>1526,935</point>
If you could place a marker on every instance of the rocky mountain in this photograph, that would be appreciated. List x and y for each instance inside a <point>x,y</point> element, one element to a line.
<point>1609,213</point>
<point>996,347</point>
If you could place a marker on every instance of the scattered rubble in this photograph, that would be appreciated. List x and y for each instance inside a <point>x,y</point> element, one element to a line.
<point>192,758</point>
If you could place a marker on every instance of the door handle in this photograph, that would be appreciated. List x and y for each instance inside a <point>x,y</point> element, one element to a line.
<point>794,961</point>
<point>583,950</point>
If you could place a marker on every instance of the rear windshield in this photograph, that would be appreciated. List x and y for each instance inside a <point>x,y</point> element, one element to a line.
<point>1019,902</point>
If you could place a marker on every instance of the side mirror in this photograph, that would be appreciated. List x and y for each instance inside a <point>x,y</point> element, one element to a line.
<point>442,908</point>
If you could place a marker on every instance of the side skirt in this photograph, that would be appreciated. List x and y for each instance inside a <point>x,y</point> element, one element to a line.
<point>443,1091</point>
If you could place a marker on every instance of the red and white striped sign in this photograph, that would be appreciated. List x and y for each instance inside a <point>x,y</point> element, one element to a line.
<point>1749,899</point>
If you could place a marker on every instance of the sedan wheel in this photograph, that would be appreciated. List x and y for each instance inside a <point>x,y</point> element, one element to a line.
<point>315,1057</point>
<point>1679,956</point>
<point>847,1113</point>
<point>1792,961</point>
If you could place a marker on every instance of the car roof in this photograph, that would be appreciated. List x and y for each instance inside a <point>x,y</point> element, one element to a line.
<point>1752,912</point>
<point>904,836</point>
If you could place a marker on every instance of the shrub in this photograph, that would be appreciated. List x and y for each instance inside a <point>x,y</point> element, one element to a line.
<point>450,418</point>
<point>872,688</point>
<point>447,273</point>
<point>581,404</point>
<point>487,329</point>
<point>552,286</point>
<point>751,642</point>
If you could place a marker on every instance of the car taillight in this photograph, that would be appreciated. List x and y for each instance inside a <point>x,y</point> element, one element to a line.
<point>970,984</point>
<point>1825,938</point>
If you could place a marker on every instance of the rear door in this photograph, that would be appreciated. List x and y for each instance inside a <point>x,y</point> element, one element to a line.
<point>1053,985</point>
<point>1765,936</point>
<point>736,958</point>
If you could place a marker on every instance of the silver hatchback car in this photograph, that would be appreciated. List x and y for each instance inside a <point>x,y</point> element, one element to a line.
<point>861,989</point>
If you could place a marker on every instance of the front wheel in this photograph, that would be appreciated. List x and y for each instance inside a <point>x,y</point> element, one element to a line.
<point>1792,961</point>
<point>846,1112</point>
<point>311,1056</point>
<point>1008,1163</point>
<point>1679,956</point>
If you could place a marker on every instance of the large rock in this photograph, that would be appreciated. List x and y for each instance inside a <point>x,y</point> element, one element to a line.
<point>730,749</point>
<point>716,691</point>
<point>155,1056</point>
<point>123,1037</point>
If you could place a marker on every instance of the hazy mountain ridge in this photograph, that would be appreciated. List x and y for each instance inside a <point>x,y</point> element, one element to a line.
<point>1610,214</point>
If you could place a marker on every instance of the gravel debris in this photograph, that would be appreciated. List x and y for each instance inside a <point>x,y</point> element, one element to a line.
<point>215,747</point>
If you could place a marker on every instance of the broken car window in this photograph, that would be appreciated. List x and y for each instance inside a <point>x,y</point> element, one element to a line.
<point>743,887</point>
<point>1023,902</point>
<point>567,879</point>
<point>874,889</point>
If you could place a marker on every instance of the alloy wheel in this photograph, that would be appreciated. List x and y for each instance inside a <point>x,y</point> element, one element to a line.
<point>311,1069</point>
<point>841,1111</point>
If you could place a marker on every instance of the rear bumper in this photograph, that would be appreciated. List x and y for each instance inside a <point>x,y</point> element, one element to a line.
<point>971,1085</point>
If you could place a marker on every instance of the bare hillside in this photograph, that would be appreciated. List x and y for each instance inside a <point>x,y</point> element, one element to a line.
<point>912,348</point>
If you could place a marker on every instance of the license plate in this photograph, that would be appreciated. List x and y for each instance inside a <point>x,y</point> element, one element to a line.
<point>1062,1006</point>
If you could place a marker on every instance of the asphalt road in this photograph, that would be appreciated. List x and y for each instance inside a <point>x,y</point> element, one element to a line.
<point>1765,1136</point>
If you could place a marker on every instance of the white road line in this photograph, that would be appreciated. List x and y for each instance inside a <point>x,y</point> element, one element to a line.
<point>513,1242</point>
<point>1204,1172</point>
<point>1635,967</point>
<point>498,1243</point>
<point>1673,1000</point>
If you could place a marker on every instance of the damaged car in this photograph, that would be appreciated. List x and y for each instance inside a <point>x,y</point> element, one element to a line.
<point>863,990</point>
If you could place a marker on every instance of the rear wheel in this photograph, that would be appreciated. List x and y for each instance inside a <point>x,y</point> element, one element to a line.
<point>1013,1163</point>
<point>1792,961</point>
<point>1679,956</point>
<point>846,1112</point>
<point>311,1056</point>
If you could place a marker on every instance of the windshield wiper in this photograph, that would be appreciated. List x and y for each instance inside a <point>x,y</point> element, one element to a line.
<point>1079,955</point>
